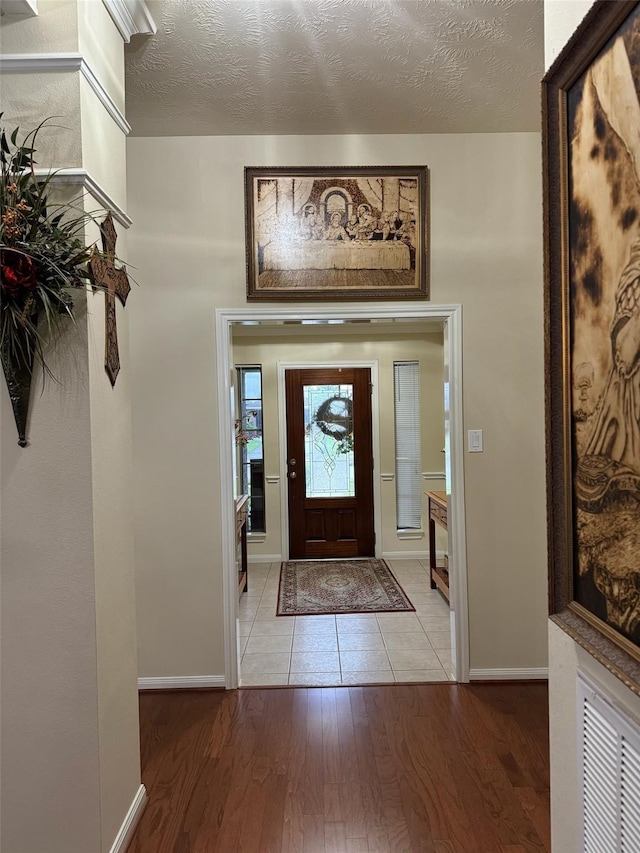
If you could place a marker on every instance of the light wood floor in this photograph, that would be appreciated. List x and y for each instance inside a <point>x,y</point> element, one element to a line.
<point>434,768</point>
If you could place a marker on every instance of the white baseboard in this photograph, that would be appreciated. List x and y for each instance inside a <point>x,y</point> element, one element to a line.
<point>405,555</point>
<point>185,682</point>
<point>130,822</point>
<point>387,555</point>
<point>533,673</point>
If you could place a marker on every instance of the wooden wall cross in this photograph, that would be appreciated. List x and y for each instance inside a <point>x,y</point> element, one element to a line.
<point>115,282</point>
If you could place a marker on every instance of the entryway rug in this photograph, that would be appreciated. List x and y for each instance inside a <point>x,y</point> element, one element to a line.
<point>310,587</point>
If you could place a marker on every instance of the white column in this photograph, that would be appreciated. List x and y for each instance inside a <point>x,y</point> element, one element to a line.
<point>70,769</point>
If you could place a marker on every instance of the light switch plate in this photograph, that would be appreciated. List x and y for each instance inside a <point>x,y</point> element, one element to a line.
<point>475,441</point>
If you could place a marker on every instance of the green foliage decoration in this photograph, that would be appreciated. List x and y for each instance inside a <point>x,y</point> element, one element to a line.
<point>43,259</point>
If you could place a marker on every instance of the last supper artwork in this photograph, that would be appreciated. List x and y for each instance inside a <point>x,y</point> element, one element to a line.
<point>339,232</point>
<point>603,125</point>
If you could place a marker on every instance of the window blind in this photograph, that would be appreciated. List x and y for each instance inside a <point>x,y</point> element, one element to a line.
<point>406,375</point>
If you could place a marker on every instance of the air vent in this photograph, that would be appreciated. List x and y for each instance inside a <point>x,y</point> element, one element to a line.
<point>610,774</point>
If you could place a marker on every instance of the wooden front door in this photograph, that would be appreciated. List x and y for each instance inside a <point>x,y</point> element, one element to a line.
<point>329,463</point>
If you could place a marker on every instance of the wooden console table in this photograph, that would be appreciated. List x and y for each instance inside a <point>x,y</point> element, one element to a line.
<point>241,543</point>
<point>439,575</point>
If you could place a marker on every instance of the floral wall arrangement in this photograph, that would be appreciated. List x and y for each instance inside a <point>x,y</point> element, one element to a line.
<point>43,259</point>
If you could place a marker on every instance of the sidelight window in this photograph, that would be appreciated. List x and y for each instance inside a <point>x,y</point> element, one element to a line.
<point>406,377</point>
<point>250,444</point>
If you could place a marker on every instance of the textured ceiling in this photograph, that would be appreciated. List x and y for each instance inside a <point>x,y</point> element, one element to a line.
<point>337,66</point>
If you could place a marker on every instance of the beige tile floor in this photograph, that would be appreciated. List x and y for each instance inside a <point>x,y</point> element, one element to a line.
<point>343,649</point>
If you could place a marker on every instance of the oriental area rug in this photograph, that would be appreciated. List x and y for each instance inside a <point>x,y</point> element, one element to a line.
<point>310,587</point>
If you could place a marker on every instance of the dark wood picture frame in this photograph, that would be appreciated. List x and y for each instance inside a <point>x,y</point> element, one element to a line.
<point>337,233</point>
<point>592,309</point>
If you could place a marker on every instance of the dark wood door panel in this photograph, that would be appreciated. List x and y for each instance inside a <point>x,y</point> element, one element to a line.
<point>330,526</point>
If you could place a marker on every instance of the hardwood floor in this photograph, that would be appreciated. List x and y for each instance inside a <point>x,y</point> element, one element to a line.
<point>430,768</point>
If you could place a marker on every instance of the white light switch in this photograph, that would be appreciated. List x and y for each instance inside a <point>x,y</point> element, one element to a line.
<point>475,441</point>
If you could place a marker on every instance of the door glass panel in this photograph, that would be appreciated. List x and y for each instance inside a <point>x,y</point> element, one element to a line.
<point>328,441</point>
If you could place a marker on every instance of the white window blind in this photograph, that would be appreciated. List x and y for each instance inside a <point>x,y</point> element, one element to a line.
<point>406,375</point>
<point>610,775</point>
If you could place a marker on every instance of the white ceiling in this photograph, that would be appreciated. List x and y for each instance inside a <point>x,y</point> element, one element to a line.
<point>337,66</point>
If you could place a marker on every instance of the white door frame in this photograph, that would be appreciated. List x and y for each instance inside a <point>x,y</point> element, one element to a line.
<point>375,441</point>
<point>451,316</point>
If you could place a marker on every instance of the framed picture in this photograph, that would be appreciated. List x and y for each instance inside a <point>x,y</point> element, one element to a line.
<point>337,233</point>
<point>591,132</point>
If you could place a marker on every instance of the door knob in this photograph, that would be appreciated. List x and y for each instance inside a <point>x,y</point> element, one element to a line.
<point>293,475</point>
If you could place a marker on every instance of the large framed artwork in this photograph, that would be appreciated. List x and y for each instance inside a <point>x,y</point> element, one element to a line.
<point>337,233</point>
<point>591,110</point>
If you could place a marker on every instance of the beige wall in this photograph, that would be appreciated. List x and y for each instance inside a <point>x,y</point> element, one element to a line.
<point>186,196</point>
<point>566,658</point>
<point>104,157</point>
<point>384,349</point>
<point>50,758</point>
<point>54,29</point>
<point>70,742</point>
<point>99,39</point>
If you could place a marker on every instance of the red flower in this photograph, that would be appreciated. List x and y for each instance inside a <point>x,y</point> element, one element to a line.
<point>17,273</point>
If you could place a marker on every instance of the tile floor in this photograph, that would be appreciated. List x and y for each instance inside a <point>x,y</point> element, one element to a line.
<point>344,649</point>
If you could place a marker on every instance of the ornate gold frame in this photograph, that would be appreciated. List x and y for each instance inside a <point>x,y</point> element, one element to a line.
<point>302,282</point>
<point>618,654</point>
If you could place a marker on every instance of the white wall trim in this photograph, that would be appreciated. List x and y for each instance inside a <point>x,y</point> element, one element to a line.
<point>433,475</point>
<point>282,367</point>
<point>28,8</point>
<point>256,537</point>
<point>131,17</point>
<point>186,682</point>
<point>125,833</point>
<point>534,673</point>
<point>405,555</point>
<point>263,558</point>
<point>408,533</point>
<point>37,63</point>
<point>83,180</point>
<point>226,444</point>
<point>105,98</point>
<point>451,316</point>
<point>454,476</point>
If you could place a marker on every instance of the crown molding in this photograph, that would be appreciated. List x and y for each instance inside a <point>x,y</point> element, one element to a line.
<point>28,8</point>
<point>131,17</point>
<point>37,63</point>
<point>83,180</point>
